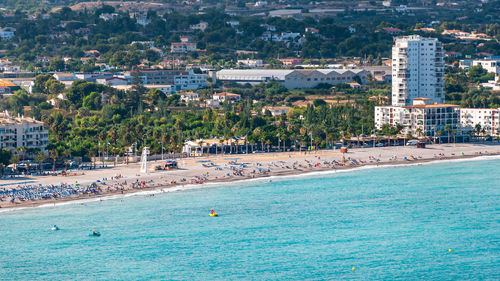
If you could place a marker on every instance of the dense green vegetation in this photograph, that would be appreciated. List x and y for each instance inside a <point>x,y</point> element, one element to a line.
<point>69,33</point>
<point>463,88</point>
<point>148,117</point>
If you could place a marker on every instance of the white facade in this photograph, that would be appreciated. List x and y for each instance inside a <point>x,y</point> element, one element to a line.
<point>276,110</point>
<point>179,79</point>
<point>22,131</point>
<point>189,97</point>
<point>487,118</point>
<point>112,81</point>
<point>190,81</point>
<point>421,119</point>
<point>251,63</point>
<point>493,84</point>
<point>183,47</point>
<point>490,65</point>
<point>230,97</point>
<point>166,89</point>
<point>417,70</point>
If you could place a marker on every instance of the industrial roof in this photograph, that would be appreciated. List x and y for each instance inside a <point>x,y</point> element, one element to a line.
<point>275,74</point>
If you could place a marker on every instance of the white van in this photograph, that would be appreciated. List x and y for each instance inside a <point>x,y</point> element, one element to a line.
<point>412,142</point>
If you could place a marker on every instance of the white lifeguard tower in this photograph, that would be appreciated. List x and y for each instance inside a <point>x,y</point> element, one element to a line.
<point>144,160</point>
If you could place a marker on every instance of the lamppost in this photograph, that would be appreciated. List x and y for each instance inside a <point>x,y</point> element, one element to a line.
<point>373,133</point>
<point>99,150</point>
<point>246,142</point>
<point>279,142</point>
<point>311,135</point>
<point>107,155</point>
<point>160,142</point>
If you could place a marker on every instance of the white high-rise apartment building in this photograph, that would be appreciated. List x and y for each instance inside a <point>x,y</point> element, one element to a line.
<point>417,70</point>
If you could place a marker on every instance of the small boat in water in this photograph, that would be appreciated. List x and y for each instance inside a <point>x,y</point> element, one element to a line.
<point>213,213</point>
<point>95,233</point>
<point>55,228</point>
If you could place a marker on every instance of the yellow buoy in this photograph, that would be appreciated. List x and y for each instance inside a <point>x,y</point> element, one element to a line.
<point>353,268</point>
<point>449,250</point>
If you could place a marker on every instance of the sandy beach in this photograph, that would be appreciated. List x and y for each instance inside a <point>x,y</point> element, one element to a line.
<point>124,179</point>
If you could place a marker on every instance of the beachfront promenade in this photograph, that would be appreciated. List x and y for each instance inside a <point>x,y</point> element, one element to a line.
<point>34,190</point>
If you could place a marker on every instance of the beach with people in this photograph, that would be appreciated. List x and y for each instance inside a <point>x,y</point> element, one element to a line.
<point>32,191</point>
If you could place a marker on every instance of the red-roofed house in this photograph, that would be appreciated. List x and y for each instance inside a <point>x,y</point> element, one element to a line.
<point>225,96</point>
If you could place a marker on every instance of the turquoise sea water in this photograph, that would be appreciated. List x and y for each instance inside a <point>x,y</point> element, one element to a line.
<point>393,223</point>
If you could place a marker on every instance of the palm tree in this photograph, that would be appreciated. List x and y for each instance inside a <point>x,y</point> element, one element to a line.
<point>454,132</point>
<point>200,143</point>
<point>221,141</point>
<point>54,154</point>
<point>22,151</point>
<point>262,139</point>
<point>419,132</point>
<point>448,129</point>
<point>439,133</point>
<point>39,158</point>
<point>477,129</point>
<point>14,159</point>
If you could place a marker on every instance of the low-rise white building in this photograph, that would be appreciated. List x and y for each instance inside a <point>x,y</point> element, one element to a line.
<point>493,84</point>
<point>189,97</point>
<point>276,110</point>
<point>488,120</point>
<point>22,132</point>
<point>420,119</point>
<point>182,47</point>
<point>166,89</point>
<point>251,63</point>
<point>490,65</point>
<point>112,81</point>
<point>65,76</point>
<point>225,96</point>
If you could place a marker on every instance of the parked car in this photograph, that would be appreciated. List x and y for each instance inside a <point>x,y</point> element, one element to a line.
<point>412,142</point>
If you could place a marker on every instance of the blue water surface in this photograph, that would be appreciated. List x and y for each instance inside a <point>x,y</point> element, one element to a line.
<point>392,223</point>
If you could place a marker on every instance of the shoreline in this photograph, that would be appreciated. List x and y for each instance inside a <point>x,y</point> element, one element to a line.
<point>162,188</point>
